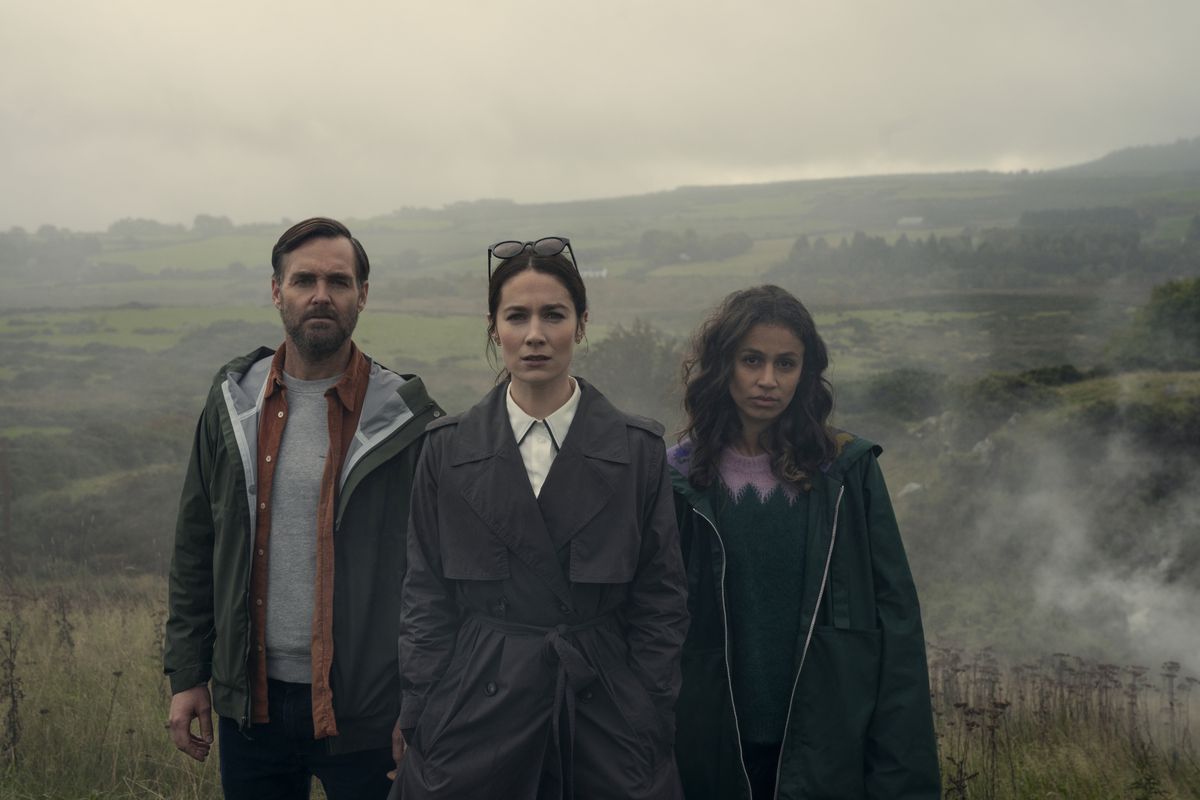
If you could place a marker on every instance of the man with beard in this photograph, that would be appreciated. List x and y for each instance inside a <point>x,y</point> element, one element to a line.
<point>290,544</point>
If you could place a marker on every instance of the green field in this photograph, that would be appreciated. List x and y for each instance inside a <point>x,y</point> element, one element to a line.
<point>205,255</point>
<point>1007,422</point>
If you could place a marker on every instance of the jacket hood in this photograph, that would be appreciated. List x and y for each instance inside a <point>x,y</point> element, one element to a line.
<point>392,401</point>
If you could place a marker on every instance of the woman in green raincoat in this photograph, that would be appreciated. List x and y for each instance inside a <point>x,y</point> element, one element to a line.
<point>804,670</point>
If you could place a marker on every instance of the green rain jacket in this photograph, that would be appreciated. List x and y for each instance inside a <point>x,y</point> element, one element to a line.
<point>860,724</point>
<point>208,636</point>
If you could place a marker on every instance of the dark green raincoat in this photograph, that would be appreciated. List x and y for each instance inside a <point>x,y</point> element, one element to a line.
<point>860,723</point>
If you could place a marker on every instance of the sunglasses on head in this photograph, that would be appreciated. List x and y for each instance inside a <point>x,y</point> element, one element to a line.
<point>546,246</point>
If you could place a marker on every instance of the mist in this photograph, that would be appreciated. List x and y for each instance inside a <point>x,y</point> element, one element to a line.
<point>140,109</point>
<point>1103,536</point>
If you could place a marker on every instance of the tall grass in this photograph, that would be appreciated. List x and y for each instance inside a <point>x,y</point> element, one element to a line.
<point>83,705</point>
<point>1063,727</point>
<point>93,698</point>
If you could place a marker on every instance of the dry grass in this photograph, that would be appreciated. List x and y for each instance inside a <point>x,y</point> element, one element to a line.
<point>81,658</point>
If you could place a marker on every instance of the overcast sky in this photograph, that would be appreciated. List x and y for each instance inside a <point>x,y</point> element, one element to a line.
<point>260,110</point>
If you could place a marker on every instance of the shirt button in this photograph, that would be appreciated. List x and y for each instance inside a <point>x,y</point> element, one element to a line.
<point>263,506</point>
<point>490,688</point>
<point>268,459</point>
<point>260,551</point>
<point>280,415</point>
<point>260,648</point>
<point>258,602</point>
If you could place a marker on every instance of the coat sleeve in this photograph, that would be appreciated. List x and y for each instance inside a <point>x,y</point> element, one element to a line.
<point>428,610</point>
<point>190,630</point>
<point>901,749</point>
<point>657,613</point>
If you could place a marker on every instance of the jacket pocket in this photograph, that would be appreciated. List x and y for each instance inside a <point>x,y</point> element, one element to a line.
<point>634,703</point>
<point>836,699</point>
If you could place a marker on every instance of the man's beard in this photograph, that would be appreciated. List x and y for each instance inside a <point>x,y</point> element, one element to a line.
<point>318,344</point>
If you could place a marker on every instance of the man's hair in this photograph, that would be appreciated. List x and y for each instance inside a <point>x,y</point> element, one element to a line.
<point>318,228</point>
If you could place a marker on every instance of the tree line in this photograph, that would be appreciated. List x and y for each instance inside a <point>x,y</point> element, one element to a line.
<point>1046,249</point>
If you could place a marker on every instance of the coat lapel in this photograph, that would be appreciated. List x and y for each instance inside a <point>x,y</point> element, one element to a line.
<point>584,474</point>
<point>494,483</point>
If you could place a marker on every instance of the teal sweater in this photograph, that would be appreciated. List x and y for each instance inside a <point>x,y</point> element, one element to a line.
<point>764,520</point>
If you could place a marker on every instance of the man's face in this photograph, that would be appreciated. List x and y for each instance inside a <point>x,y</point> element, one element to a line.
<point>318,296</point>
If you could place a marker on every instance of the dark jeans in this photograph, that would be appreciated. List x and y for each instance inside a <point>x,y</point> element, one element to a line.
<point>278,759</point>
<point>762,764</point>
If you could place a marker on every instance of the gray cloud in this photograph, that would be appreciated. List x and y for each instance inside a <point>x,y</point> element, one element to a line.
<point>136,108</point>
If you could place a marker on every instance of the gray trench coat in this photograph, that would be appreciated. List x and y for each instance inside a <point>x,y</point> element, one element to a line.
<point>541,636</point>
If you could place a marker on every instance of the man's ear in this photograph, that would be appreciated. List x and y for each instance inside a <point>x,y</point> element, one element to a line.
<point>276,294</point>
<point>362,294</point>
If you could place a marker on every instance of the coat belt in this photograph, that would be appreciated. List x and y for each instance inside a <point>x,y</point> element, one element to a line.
<point>573,675</point>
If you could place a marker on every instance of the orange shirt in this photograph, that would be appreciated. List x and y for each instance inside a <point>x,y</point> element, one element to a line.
<point>345,400</point>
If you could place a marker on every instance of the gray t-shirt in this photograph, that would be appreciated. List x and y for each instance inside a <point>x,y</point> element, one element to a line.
<point>295,495</point>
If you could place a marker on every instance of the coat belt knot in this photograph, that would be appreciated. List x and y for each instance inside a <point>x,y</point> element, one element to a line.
<point>573,675</point>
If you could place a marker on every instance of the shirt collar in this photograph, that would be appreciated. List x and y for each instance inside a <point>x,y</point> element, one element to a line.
<point>559,422</point>
<point>348,386</point>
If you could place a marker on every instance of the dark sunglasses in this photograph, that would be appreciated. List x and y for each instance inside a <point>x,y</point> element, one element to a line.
<point>546,246</point>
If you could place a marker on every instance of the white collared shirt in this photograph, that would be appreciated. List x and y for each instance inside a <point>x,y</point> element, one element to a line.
<point>539,440</point>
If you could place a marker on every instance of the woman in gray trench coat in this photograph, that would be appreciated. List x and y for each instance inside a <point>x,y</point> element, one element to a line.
<point>544,606</point>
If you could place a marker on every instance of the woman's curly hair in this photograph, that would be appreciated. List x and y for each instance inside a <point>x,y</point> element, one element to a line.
<point>800,440</point>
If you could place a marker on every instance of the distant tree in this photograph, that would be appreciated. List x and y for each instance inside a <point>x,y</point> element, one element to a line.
<point>15,247</point>
<point>207,225</point>
<point>1102,217</point>
<point>1165,333</point>
<point>639,368</point>
<point>130,226</point>
<point>1193,231</point>
<point>909,394</point>
<point>660,247</point>
<point>800,250</point>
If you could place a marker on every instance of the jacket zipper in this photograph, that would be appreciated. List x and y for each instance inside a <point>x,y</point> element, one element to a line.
<point>728,668</point>
<point>246,711</point>
<point>234,421</point>
<point>812,626</point>
<point>344,503</point>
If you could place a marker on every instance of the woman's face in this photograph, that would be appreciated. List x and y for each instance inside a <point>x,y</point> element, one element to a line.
<point>766,372</point>
<point>537,328</point>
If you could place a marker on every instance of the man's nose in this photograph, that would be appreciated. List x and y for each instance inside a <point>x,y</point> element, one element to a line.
<point>321,294</point>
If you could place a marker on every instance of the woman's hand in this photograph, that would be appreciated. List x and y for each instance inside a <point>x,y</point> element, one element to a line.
<point>399,748</point>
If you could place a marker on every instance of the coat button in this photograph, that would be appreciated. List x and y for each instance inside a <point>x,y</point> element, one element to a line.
<point>585,696</point>
<point>564,608</point>
<point>490,688</point>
